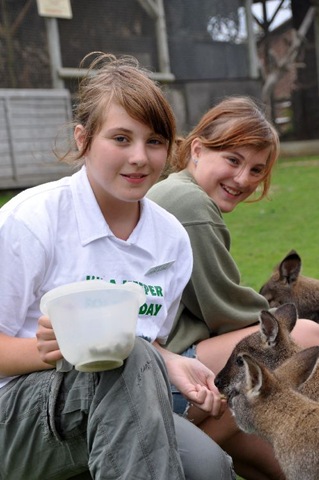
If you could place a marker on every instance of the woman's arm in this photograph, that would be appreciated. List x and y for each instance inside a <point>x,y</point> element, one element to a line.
<point>214,293</point>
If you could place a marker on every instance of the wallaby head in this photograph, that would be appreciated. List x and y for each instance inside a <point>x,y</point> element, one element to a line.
<point>301,372</point>
<point>272,345</point>
<point>287,285</point>
<point>264,405</point>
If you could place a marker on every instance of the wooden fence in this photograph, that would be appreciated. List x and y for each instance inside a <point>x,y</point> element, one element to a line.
<point>29,123</point>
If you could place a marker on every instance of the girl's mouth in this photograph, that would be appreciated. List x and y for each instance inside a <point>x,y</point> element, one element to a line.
<point>231,191</point>
<point>135,178</point>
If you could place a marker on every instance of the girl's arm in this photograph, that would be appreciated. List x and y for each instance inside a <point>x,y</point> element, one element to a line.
<point>19,356</point>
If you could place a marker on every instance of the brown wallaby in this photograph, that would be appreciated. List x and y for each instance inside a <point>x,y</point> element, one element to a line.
<point>287,285</point>
<point>266,406</point>
<point>272,345</point>
<point>301,372</point>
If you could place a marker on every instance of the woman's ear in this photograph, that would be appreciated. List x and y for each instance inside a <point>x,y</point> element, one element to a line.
<point>196,148</point>
<point>79,136</point>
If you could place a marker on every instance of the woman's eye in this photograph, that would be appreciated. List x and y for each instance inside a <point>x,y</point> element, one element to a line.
<point>156,141</point>
<point>120,138</point>
<point>257,171</point>
<point>233,161</point>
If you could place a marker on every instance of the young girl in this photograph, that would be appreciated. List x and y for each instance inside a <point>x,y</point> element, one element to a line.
<point>226,158</point>
<point>117,424</point>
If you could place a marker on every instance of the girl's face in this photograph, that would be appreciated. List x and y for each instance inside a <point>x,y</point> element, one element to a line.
<point>230,176</point>
<point>125,157</point>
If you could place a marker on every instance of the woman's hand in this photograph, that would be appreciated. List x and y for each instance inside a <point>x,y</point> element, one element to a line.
<point>46,342</point>
<point>195,381</point>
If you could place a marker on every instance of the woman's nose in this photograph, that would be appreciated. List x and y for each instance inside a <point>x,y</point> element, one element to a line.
<point>138,155</point>
<point>243,176</point>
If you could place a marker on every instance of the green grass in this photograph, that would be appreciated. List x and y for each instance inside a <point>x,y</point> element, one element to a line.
<point>263,232</point>
<point>6,195</point>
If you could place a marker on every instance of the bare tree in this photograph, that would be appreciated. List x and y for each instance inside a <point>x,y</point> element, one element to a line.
<point>8,31</point>
<point>282,65</point>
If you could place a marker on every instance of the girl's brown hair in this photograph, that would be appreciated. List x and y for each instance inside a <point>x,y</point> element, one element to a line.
<point>234,122</point>
<point>121,80</point>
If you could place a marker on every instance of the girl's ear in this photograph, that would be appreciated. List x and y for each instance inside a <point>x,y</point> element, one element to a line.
<point>79,136</point>
<point>196,147</point>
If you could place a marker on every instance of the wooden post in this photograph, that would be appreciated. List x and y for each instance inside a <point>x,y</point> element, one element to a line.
<point>252,49</point>
<point>54,51</point>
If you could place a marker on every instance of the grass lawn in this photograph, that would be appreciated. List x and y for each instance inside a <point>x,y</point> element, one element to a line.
<point>264,232</point>
<point>5,196</point>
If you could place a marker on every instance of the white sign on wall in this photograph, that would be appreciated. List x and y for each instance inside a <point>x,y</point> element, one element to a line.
<point>54,8</point>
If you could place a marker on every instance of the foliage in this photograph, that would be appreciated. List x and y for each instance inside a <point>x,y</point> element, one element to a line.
<point>263,232</point>
<point>6,195</point>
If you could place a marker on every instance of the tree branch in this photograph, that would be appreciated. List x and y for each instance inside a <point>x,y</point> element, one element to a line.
<point>283,64</point>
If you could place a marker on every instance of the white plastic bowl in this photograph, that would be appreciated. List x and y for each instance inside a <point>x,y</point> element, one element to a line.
<point>94,322</point>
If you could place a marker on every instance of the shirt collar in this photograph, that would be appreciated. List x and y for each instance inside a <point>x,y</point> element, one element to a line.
<point>92,224</point>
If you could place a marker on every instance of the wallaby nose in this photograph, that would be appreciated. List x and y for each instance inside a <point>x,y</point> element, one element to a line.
<point>218,382</point>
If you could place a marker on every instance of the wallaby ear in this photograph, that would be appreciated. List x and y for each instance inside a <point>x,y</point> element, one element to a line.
<point>253,374</point>
<point>290,267</point>
<point>287,315</point>
<point>268,327</point>
<point>300,367</point>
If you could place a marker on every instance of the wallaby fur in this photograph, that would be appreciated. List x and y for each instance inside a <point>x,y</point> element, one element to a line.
<point>264,405</point>
<point>272,345</point>
<point>301,372</point>
<point>287,285</point>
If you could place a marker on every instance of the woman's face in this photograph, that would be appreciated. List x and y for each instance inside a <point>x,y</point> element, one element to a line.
<point>125,157</point>
<point>230,176</point>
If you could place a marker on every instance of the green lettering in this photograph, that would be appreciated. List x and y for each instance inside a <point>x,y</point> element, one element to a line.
<point>150,309</point>
<point>152,290</point>
<point>157,308</point>
<point>143,309</point>
<point>159,291</point>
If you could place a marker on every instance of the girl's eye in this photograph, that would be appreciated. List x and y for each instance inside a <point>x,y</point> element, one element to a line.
<point>257,171</point>
<point>120,139</point>
<point>233,160</point>
<point>156,141</point>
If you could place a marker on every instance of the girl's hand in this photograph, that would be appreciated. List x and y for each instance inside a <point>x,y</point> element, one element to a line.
<point>195,381</point>
<point>46,342</point>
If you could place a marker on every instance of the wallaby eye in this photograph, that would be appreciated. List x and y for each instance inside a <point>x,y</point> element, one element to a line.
<point>239,361</point>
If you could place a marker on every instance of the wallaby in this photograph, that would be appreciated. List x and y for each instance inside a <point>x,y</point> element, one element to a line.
<point>264,405</point>
<point>272,345</point>
<point>302,365</point>
<point>287,285</point>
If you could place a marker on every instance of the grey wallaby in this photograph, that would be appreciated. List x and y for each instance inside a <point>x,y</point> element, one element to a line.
<point>264,405</point>
<point>287,285</point>
<point>272,345</point>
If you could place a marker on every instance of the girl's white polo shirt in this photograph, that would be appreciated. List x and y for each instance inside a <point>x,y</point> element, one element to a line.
<point>55,234</point>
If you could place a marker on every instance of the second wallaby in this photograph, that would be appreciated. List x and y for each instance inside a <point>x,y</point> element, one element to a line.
<point>287,285</point>
<point>264,405</point>
<point>272,345</point>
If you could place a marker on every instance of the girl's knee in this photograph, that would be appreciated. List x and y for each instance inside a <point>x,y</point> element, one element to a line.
<point>306,333</point>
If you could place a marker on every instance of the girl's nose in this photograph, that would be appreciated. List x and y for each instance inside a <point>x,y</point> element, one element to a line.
<point>243,176</point>
<point>138,155</point>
